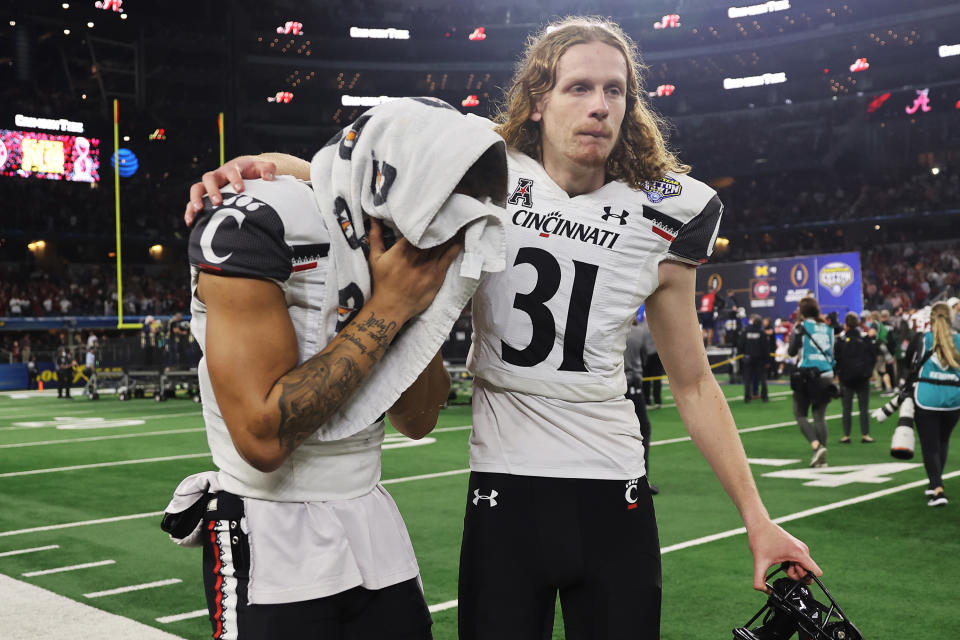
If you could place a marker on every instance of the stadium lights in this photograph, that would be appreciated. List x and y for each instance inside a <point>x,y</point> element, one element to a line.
<point>66,32</point>
<point>36,246</point>
<point>935,171</point>
<point>381,34</point>
<point>65,5</point>
<point>947,50</point>
<point>126,138</point>
<point>156,251</point>
<point>89,25</point>
<point>754,81</point>
<point>123,16</point>
<point>757,9</point>
<point>290,27</point>
<point>860,64</point>
<point>281,97</point>
<point>669,21</point>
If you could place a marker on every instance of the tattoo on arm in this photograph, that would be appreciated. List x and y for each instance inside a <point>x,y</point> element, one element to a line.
<point>312,392</point>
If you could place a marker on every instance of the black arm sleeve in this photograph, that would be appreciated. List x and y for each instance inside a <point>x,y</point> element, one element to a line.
<point>694,241</point>
<point>243,237</point>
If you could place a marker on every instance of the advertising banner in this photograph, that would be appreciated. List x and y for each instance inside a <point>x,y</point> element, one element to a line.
<point>773,287</point>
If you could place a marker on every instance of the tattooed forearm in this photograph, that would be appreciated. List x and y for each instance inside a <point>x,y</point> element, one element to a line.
<point>313,392</point>
<point>380,331</point>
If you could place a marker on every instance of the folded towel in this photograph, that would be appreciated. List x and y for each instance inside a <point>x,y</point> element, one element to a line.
<point>400,162</point>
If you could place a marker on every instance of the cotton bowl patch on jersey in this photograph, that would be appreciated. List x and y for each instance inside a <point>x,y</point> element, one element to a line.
<point>657,190</point>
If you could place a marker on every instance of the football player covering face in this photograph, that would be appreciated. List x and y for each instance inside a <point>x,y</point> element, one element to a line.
<point>587,124</point>
<point>580,116</point>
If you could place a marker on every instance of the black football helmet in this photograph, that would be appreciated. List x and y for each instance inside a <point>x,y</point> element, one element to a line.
<point>791,608</point>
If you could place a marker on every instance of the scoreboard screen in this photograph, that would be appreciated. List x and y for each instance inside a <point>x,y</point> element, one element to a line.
<point>50,156</point>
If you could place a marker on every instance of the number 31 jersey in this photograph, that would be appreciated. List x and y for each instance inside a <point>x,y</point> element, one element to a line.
<point>550,330</point>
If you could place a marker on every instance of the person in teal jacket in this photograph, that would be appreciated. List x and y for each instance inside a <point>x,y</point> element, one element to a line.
<point>812,339</point>
<point>937,395</point>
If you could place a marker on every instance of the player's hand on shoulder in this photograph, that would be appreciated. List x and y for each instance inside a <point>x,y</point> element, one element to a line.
<point>234,172</point>
<point>406,279</point>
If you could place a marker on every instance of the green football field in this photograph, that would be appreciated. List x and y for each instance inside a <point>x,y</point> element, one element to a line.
<point>82,485</point>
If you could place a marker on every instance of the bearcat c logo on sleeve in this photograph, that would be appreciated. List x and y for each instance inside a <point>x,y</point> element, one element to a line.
<point>231,208</point>
<point>657,190</point>
<point>523,194</point>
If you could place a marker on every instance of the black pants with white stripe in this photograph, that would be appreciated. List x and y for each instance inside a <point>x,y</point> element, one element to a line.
<point>526,539</point>
<point>397,612</point>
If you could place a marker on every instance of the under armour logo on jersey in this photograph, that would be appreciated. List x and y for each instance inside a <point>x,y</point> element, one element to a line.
<point>631,494</point>
<point>477,497</point>
<point>523,194</point>
<point>383,176</point>
<point>622,217</point>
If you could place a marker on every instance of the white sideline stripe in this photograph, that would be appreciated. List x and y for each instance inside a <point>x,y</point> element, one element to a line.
<point>450,604</point>
<point>21,551</point>
<point>762,427</point>
<point>133,587</point>
<point>155,416</point>
<point>81,523</point>
<point>97,438</point>
<point>445,429</point>
<point>104,464</point>
<point>199,613</point>
<point>426,476</point>
<point>808,512</point>
<point>73,567</point>
<point>772,462</point>
<point>32,613</point>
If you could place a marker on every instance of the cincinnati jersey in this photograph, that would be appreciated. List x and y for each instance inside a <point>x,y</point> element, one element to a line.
<point>274,231</point>
<point>550,330</point>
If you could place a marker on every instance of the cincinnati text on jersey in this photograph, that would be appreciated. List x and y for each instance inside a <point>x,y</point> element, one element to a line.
<point>553,223</point>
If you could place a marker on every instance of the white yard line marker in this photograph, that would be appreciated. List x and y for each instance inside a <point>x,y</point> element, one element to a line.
<point>155,416</point>
<point>81,523</point>
<point>74,567</point>
<point>806,513</point>
<point>133,587</point>
<point>99,465</point>
<point>199,613</point>
<point>426,476</point>
<point>450,604</point>
<point>22,551</point>
<point>98,438</point>
<point>772,462</point>
<point>763,427</point>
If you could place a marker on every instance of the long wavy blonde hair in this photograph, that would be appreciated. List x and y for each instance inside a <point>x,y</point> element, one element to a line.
<point>641,151</point>
<point>943,345</point>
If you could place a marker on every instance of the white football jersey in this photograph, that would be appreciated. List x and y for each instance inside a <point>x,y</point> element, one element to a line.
<point>550,330</point>
<point>324,502</point>
<point>273,230</point>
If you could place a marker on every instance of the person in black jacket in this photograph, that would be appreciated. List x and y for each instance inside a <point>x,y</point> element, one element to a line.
<point>852,346</point>
<point>755,347</point>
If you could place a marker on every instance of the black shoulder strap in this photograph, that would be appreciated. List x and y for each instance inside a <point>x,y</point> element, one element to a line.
<point>803,330</point>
